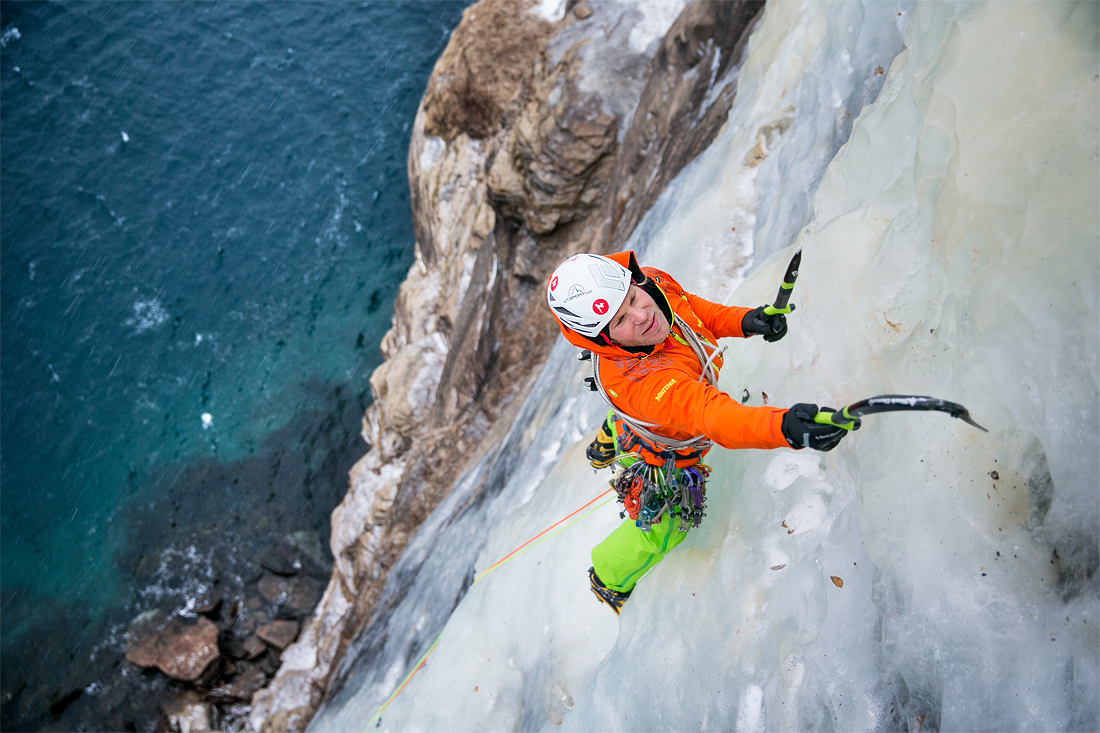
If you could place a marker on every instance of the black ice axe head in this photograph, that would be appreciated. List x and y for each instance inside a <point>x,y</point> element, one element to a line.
<point>786,287</point>
<point>844,418</point>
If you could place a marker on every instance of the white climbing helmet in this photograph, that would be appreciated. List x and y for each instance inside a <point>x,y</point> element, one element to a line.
<point>586,290</point>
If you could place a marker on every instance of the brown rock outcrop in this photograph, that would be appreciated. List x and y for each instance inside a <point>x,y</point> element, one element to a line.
<point>497,42</point>
<point>279,633</point>
<point>187,713</point>
<point>510,170</point>
<point>182,650</point>
<point>252,647</point>
<point>688,95</point>
<point>247,682</point>
<point>553,164</point>
<point>297,595</point>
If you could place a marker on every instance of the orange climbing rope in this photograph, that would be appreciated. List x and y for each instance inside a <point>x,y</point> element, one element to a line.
<point>514,553</point>
<point>524,547</point>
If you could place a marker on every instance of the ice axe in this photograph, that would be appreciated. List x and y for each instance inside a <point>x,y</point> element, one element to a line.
<point>785,288</point>
<point>845,417</point>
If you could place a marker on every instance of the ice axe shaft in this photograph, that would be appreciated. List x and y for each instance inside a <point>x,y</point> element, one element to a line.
<point>845,417</point>
<point>786,287</point>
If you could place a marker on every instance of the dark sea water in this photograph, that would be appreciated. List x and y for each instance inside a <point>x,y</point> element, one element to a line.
<point>203,212</point>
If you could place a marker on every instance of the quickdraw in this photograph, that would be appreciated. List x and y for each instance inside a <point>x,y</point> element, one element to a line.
<point>647,492</point>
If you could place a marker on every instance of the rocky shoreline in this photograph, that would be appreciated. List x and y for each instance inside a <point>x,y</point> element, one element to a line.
<point>227,643</point>
<point>204,579</point>
<point>535,140</point>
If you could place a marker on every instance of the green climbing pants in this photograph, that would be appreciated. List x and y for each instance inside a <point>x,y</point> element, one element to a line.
<point>628,553</point>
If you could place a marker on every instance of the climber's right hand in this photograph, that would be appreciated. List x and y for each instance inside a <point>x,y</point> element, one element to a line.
<point>758,322</point>
<point>801,431</point>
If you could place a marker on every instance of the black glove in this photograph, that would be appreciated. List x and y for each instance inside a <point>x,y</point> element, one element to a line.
<point>758,323</point>
<point>801,431</point>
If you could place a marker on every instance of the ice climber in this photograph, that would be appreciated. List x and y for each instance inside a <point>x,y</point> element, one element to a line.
<point>656,362</point>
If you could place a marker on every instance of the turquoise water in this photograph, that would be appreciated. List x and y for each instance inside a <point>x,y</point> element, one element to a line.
<point>204,212</point>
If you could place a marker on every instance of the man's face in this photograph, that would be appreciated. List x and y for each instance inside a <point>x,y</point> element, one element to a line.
<point>638,322</point>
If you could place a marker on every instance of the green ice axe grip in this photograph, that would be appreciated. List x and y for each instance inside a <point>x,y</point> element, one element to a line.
<point>771,310</point>
<point>839,419</point>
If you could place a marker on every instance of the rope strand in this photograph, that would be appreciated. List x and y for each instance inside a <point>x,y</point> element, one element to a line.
<point>540,534</point>
<point>511,555</point>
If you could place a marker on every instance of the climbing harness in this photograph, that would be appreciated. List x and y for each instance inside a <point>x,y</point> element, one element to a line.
<point>645,489</point>
<point>647,492</point>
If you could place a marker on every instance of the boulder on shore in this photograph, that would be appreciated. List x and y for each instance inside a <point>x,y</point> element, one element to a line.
<point>299,594</point>
<point>279,633</point>
<point>247,682</point>
<point>188,713</point>
<point>181,648</point>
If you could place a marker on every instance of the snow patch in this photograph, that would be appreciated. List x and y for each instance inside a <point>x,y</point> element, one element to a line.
<point>432,150</point>
<point>657,18</point>
<point>551,10</point>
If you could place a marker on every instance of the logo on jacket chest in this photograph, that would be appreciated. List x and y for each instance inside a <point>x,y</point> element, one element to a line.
<point>636,369</point>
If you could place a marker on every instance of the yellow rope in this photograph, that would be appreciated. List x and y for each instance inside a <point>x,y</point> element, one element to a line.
<point>510,556</point>
<point>408,677</point>
<point>521,549</point>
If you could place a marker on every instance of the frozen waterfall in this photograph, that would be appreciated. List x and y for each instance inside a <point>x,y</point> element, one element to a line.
<point>950,248</point>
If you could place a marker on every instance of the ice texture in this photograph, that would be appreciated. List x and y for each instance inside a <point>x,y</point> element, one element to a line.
<point>952,251</point>
<point>614,51</point>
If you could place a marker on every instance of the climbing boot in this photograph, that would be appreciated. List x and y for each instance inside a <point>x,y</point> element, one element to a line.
<point>601,451</point>
<point>612,598</point>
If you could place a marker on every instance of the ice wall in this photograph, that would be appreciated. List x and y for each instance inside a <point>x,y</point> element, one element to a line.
<point>953,250</point>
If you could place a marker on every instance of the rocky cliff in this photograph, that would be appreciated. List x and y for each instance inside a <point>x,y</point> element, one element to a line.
<point>536,138</point>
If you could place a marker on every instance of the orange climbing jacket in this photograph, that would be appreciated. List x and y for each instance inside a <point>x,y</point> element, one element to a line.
<point>663,387</point>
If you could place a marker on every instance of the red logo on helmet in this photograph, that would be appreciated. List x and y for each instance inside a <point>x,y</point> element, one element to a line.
<point>553,283</point>
<point>600,306</point>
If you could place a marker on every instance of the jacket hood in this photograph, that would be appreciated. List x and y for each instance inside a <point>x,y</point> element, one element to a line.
<point>601,344</point>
